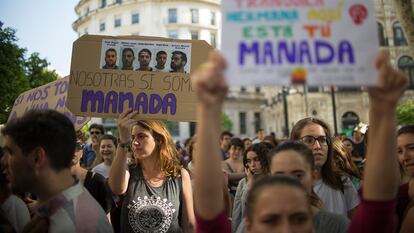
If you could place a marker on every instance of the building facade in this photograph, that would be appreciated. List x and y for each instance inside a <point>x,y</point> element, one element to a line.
<point>344,107</point>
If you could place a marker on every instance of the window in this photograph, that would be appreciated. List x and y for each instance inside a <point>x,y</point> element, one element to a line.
<point>118,1</point>
<point>172,15</point>
<point>173,127</point>
<point>243,89</point>
<point>173,35</point>
<point>257,89</point>
<point>87,11</point>
<point>135,18</point>
<point>117,22</point>
<point>381,37</point>
<point>213,40</point>
<point>406,64</point>
<point>194,35</point>
<point>242,122</point>
<point>102,27</point>
<point>194,16</point>
<point>213,18</point>
<point>399,38</point>
<point>256,121</point>
<point>85,31</point>
<point>349,89</point>
<point>103,3</point>
<point>313,89</point>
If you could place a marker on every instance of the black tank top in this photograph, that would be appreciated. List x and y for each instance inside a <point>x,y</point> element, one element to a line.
<point>151,209</point>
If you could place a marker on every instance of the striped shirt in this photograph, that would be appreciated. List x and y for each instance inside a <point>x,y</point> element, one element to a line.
<point>74,210</point>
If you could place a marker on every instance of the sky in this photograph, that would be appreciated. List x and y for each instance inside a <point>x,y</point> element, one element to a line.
<point>43,26</point>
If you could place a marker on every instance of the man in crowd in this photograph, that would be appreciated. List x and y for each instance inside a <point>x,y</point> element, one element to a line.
<point>225,139</point>
<point>260,135</point>
<point>110,59</point>
<point>127,59</point>
<point>40,147</point>
<point>178,61</point>
<point>358,139</point>
<point>91,151</point>
<point>161,59</point>
<point>144,58</point>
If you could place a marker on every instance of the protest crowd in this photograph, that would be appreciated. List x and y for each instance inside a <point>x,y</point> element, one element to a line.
<point>52,180</point>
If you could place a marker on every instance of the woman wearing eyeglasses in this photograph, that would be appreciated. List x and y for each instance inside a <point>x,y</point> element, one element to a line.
<point>337,192</point>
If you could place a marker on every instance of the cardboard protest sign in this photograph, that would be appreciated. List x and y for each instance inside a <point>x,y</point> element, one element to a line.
<point>148,74</point>
<point>317,42</point>
<point>49,96</point>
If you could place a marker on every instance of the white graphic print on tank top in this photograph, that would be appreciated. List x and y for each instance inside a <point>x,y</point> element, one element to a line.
<point>150,214</point>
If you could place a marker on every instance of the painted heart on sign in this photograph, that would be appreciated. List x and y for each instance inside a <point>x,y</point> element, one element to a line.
<point>359,13</point>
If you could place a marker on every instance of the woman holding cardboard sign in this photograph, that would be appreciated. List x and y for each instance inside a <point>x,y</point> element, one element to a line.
<point>157,189</point>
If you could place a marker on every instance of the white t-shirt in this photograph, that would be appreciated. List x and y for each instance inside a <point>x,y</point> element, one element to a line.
<point>334,200</point>
<point>102,169</point>
<point>16,212</point>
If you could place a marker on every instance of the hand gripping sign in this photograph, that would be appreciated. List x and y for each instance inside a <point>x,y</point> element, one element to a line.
<point>318,42</point>
<point>49,96</point>
<point>148,74</point>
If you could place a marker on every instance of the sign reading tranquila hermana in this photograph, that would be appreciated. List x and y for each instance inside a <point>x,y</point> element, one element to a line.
<point>318,42</point>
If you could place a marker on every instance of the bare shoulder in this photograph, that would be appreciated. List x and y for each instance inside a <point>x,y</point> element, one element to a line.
<point>186,180</point>
<point>225,165</point>
<point>185,175</point>
<point>240,166</point>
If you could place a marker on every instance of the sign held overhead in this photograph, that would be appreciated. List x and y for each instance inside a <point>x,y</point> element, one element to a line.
<point>317,42</point>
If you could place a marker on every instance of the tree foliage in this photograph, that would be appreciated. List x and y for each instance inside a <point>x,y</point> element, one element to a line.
<point>226,123</point>
<point>36,71</point>
<point>405,113</point>
<point>18,74</point>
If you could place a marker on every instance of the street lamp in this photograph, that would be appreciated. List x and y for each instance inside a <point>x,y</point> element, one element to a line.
<point>285,108</point>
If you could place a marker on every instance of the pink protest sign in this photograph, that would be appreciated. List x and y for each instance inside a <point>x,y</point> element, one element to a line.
<point>50,96</point>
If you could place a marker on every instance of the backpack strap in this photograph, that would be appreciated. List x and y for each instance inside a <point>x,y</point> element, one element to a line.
<point>180,186</point>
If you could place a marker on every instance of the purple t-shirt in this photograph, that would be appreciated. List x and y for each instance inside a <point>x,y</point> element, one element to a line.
<point>374,216</point>
<point>219,224</point>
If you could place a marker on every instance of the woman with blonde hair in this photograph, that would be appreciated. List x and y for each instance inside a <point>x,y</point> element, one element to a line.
<point>158,193</point>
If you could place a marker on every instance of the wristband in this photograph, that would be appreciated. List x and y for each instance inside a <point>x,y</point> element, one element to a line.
<point>126,146</point>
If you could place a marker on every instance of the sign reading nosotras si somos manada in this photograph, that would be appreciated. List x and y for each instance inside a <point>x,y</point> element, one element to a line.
<point>148,74</point>
<point>49,96</point>
<point>319,42</point>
